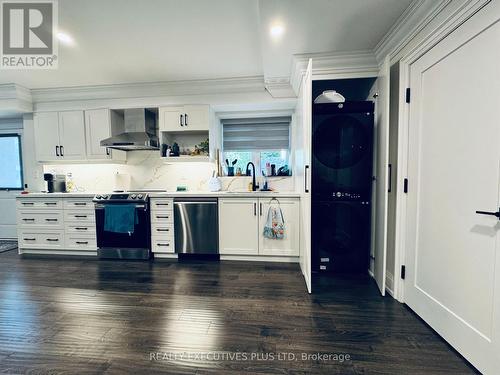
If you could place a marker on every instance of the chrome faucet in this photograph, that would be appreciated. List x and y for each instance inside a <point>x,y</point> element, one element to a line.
<point>254,186</point>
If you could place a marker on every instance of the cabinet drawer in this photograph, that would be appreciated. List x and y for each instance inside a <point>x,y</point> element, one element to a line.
<point>162,245</point>
<point>76,204</point>
<point>82,228</point>
<point>39,204</point>
<point>162,217</point>
<point>162,205</point>
<point>41,218</point>
<point>81,243</point>
<point>79,216</point>
<point>163,230</point>
<point>41,240</point>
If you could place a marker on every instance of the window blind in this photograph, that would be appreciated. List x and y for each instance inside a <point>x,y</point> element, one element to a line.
<point>269,133</point>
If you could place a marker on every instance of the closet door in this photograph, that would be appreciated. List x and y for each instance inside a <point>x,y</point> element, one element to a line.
<point>303,119</point>
<point>381,172</point>
<point>453,253</point>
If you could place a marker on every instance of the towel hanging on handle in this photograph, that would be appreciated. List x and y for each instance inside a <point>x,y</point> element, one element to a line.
<point>274,229</point>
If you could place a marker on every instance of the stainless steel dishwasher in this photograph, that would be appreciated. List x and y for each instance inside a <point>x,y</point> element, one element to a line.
<point>196,225</point>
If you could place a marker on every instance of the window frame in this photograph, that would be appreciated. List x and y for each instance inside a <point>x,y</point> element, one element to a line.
<point>19,140</point>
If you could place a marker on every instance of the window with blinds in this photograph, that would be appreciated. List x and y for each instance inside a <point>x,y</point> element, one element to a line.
<point>263,141</point>
<point>270,133</point>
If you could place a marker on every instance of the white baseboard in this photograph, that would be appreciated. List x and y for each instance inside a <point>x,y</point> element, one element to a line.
<point>58,252</point>
<point>260,258</point>
<point>389,283</point>
<point>165,256</point>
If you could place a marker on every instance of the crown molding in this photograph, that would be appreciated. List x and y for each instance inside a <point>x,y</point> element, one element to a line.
<point>150,89</point>
<point>409,24</point>
<point>14,100</point>
<point>279,87</point>
<point>334,65</point>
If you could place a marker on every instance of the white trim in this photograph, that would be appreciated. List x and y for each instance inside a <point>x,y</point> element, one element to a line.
<point>165,256</point>
<point>14,100</point>
<point>280,87</point>
<point>408,25</point>
<point>389,283</point>
<point>260,258</point>
<point>58,252</point>
<point>334,65</point>
<point>451,23</point>
<point>150,89</point>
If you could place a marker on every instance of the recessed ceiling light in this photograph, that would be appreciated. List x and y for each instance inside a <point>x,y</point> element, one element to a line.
<point>277,30</point>
<point>65,38</point>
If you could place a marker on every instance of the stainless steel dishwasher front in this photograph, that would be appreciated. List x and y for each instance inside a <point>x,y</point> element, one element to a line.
<point>196,225</point>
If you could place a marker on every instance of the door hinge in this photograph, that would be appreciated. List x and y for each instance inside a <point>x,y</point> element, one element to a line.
<point>408,95</point>
<point>403,272</point>
<point>405,186</point>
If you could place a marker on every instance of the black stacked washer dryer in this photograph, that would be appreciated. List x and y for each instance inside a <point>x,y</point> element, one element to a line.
<point>341,172</point>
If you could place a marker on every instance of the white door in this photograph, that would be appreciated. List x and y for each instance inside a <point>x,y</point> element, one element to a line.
<point>238,226</point>
<point>171,119</point>
<point>453,254</point>
<point>196,117</point>
<point>303,114</point>
<point>46,128</point>
<point>289,244</point>
<point>381,168</point>
<point>97,128</point>
<point>72,135</point>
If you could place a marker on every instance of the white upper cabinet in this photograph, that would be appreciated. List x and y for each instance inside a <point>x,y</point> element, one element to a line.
<point>72,135</point>
<point>184,118</point>
<point>97,128</point>
<point>238,225</point>
<point>289,245</point>
<point>47,136</point>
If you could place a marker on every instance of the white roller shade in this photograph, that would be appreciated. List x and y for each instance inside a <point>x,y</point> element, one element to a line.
<point>269,133</point>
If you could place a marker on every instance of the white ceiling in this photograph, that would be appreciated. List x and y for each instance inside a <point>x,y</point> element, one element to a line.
<point>124,41</point>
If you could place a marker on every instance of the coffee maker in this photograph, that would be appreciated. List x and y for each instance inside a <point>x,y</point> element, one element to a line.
<point>56,183</point>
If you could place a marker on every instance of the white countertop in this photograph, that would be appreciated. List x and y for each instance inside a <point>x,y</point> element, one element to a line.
<point>174,194</point>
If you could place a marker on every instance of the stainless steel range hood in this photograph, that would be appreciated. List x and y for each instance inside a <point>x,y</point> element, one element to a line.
<point>132,129</point>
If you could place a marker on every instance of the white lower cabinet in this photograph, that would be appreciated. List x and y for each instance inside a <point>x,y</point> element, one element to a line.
<point>241,227</point>
<point>65,224</point>
<point>162,226</point>
<point>238,226</point>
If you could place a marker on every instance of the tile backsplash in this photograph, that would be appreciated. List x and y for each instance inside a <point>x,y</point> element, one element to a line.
<point>146,170</point>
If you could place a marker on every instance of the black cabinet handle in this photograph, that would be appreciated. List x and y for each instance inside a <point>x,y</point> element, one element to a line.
<point>81,216</point>
<point>80,204</point>
<point>306,189</point>
<point>57,151</point>
<point>108,152</point>
<point>185,119</point>
<point>162,204</point>
<point>50,203</point>
<point>52,239</point>
<point>29,239</point>
<point>162,217</point>
<point>496,214</point>
<point>162,230</point>
<point>77,228</point>
<point>82,242</point>
<point>181,120</point>
<point>390,179</point>
<point>28,219</point>
<point>162,244</point>
<point>27,203</point>
<point>255,209</point>
<point>62,150</point>
<point>50,219</point>
<point>260,209</point>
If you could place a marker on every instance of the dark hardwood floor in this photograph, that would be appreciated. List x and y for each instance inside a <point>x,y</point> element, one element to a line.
<point>84,316</point>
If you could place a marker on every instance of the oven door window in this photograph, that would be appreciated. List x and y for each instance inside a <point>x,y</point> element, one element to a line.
<point>139,239</point>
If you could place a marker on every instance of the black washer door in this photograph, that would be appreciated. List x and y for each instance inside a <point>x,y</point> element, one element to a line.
<point>340,142</point>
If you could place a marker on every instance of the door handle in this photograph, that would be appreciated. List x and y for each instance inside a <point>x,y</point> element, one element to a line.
<point>496,214</point>
<point>181,122</point>
<point>390,178</point>
<point>57,151</point>
<point>306,189</point>
<point>185,119</point>
<point>62,150</point>
<point>260,209</point>
<point>255,209</point>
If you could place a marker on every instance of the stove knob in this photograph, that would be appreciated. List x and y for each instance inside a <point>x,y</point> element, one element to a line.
<point>140,196</point>
<point>133,196</point>
<point>104,197</point>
